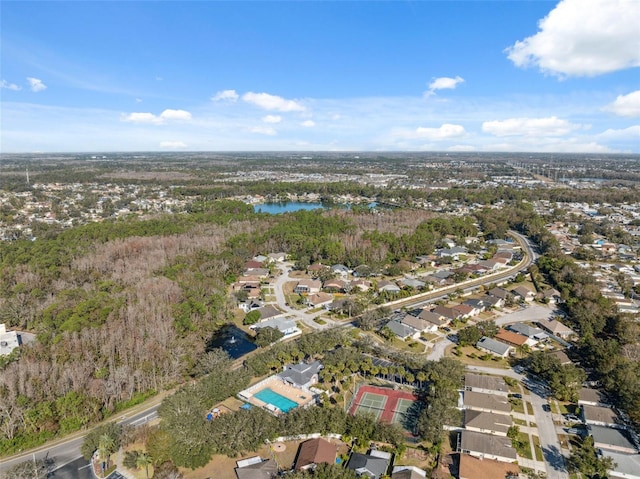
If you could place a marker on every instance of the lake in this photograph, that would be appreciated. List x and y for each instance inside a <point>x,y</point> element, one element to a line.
<point>278,208</point>
<point>287,207</point>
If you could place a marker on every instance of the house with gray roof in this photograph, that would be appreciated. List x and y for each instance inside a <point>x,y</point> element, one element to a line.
<point>486,402</point>
<point>432,318</point>
<point>487,446</point>
<point>285,326</point>
<point>599,416</point>
<point>592,397</point>
<point>627,466</point>
<point>269,312</point>
<point>301,375</point>
<point>9,340</point>
<point>372,465</point>
<point>401,330</point>
<point>487,422</point>
<point>492,346</point>
<point>266,469</point>
<point>418,323</point>
<point>612,439</point>
<point>408,472</point>
<point>556,328</point>
<point>482,383</point>
<point>530,332</point>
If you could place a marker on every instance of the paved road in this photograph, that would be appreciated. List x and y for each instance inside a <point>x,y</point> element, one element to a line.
<point>66,451</point>
<point>553,458</point>
<point>531,313</point>
<point>306,318</point>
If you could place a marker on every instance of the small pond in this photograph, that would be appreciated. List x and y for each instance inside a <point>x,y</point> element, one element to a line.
<point>233,341</point>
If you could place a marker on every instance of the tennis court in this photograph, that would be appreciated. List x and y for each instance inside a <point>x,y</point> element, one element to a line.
<point>386,404</point>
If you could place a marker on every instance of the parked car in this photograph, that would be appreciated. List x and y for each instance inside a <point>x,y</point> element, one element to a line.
<point>516,395</point>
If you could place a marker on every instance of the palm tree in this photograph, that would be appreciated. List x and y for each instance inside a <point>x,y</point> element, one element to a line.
<point>144,460</point>
<point>106,445</point>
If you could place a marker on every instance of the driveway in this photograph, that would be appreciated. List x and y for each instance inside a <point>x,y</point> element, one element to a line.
<point>532,312</point>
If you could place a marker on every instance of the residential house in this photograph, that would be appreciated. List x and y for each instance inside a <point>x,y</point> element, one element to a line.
<point>534,334</point>
<point>486,402</point>
<point>412,283</point>
<point>372,465</point>
<point>418,323</point>
<point>599,416</point>
<point>250,305</point>
<point>512,339</point>
<point>612,439</point>
<point>277,257</point>
<point>308,286</point>
<point>525,293</point>
<point>480,468</point>
<point>9,340</point>
<point>362,284</point>
<point>315,451</point>
<point>317,267</point>
<point>552,296</point>
<point>433,318</point>
<point>408,472</point>
<point>492,346</point>
<point>490,265</point>
<point>464,310</point>
<point>388,286</point>
<point>561,355</point>
<point>555,328</point>
<point>287,327</point>
<point>256,468</point>
<point>592,397</point>
<point>260,258</point>
<point>493,302</point>
<point>252,264</point>
<point>479,305</point>
<point>319,300</point>
<point>446,313</point>
<point>335,285</point>
<point>269,312</point>
<point>482,383</point>
<point>261,273</point>
<point>341,270</point>
<point>454,252</point>
<point>500,293</point>
<point>402,331</point>
<point>301,375</point>
<point>487,422</point>
<point>487,446</point>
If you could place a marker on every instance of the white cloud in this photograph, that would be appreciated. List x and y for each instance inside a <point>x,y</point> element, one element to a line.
<point>264,130</point>
<point>138,100</point>
<point>631,133</point>
<point>443,83</point>
<point>272,119</point>
<point>142,118</point>
<point>626,105</point>
<point>173,144</point>
<point>150,118</point>
<point>308,123</point>
<point>272,102</point>
<point>9,86</point>
<point>534,127</point>
<point>462,148</point>
<point>175,115</point>
<point>583,38</point>
<point>36,85</point>
<point>225,95</point>
<point>444,132</point>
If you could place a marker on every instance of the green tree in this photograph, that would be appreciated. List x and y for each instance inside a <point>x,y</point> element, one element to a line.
<point>252,317</point>
<point>267,336</point>
<point>143,461</point>
<point>585,460</point>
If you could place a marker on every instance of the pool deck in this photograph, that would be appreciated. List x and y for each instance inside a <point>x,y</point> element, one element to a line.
<point>301,397</point>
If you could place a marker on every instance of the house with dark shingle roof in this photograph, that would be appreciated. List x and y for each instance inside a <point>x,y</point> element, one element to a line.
<point>266,469</point>
<point>487,422</point>
<point>482,383</point>
<point>373,465</point>
<point>315,451</point>
<point>492,346</point>
<point>486,402</point>
<point>487,446</point>
<point>301,375</point>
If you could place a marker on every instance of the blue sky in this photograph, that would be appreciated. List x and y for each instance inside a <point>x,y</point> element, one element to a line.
<point>539,76</point>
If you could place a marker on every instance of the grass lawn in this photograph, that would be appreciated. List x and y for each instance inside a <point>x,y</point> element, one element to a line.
<point>530,409</point>
<point>525,450</point>
<point>471,356</point>
<point>516,405</point>
<point>537,448</point>
<point>319,321</point>
<point>519,422</point>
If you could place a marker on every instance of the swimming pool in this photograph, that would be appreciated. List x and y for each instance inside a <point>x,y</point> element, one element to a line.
<point>269,396</point>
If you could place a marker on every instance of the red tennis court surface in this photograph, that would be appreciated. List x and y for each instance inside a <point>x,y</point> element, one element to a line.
<point>388,405</point>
